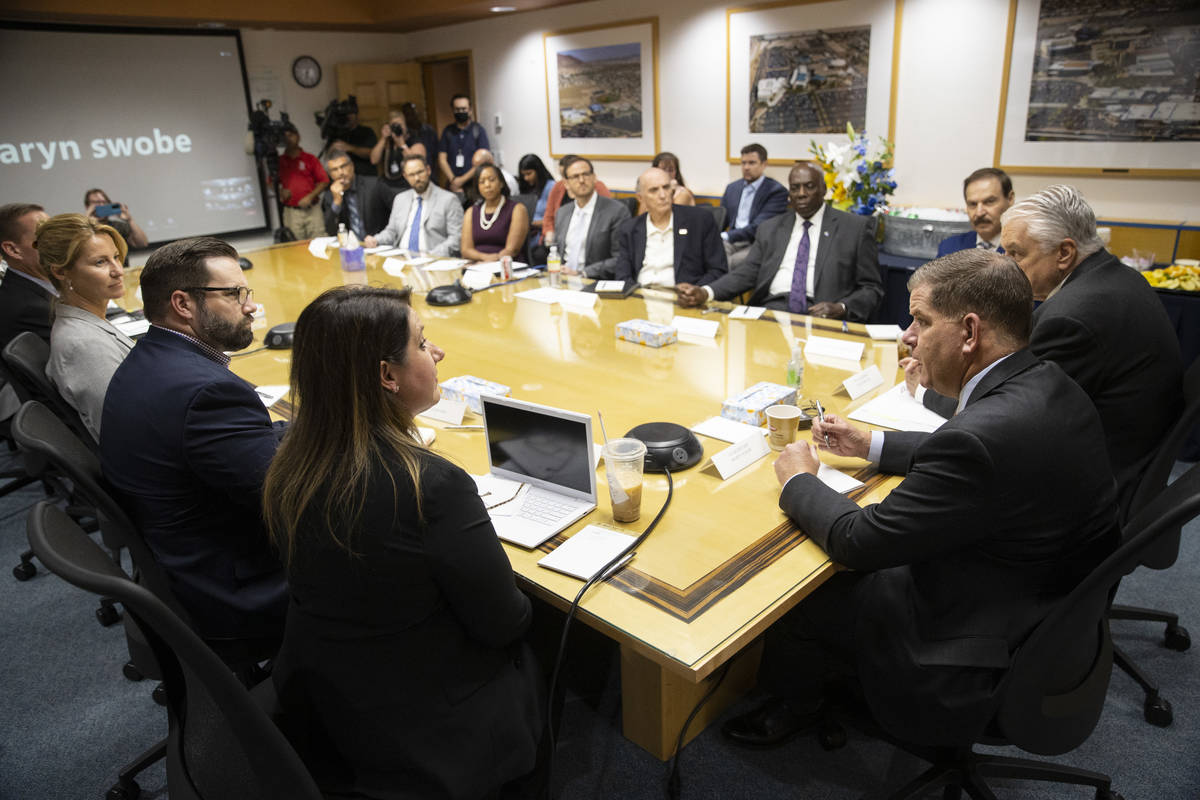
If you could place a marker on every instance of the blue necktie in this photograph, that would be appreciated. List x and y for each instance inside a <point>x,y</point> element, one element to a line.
<point>798,300</point>
<point>414,236</point>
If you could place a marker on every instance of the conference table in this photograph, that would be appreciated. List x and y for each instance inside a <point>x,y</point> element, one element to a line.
<point>725,562</point>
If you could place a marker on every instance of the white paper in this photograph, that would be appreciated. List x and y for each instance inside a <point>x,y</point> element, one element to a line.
<point>888,333</point>
<point>443,263</point>
<point>727,430</point>
<point>747,312</point>
<point>420,261</point>
<point>576,299</point>
<point>837,480</point>
<point>131,327</point>
<point>833,348</point>
<point>543,294</point>
<point>738,456</point>
<point>703,328</point>
<point>393,266</point>
<point>270,395</point>
<point>897,409</point>
<point>389,251</point>
<point>319,246</point>
<point>447,410</point>
<point>427,435</point>
<point>475,279</point>
<point>858,385</point>
<point>587,551</point>
<point>610,286</point>
<point>374,251</point>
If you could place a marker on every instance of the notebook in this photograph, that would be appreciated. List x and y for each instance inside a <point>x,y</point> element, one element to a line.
<point>549,451</point>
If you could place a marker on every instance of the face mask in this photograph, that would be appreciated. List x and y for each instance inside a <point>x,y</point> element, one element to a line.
<point>462,116</point>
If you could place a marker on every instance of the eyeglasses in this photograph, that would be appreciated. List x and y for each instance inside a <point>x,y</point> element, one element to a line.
<point>578,176</point>
<point>242,293</point>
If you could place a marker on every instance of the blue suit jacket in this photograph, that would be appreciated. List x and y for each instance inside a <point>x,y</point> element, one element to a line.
<point>959,241</point>
<point>699,253</point>
<point>186,444</point>
<point>769,201</point>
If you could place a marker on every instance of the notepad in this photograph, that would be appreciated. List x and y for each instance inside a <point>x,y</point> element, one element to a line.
<point>586,553</point>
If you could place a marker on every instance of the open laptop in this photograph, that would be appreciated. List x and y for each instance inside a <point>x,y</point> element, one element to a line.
<point>548,449</point>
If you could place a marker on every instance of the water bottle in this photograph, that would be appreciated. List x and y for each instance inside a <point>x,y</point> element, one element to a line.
<point>353,258</point>
<point>795,370</point>
<point>554,267</point>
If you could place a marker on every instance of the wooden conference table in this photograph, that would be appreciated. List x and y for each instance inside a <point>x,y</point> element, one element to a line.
<point>725,562</point>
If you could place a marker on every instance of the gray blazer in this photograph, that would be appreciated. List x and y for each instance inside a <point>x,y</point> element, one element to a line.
<point>85,351</point>
<point>441,219</point>
<point>600,241</point>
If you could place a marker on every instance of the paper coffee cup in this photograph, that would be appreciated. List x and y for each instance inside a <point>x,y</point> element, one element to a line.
<point>782,422</point>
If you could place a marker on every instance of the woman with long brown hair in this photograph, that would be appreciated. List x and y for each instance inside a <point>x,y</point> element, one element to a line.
<point>403,647</point>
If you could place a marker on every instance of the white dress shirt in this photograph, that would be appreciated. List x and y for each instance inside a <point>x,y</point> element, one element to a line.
<point>782,283</point>
<point>576,241</point>
<point>658,265</point>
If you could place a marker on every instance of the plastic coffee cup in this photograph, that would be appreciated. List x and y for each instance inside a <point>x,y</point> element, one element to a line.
<point>624,460</point>
<point>782,422</point>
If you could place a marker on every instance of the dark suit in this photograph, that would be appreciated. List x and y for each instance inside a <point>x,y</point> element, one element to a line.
<point>374,204</point>
<point>24,306</point>
<point>186,444</point>
<point>960,241</point>
<point>847,264</point>
<point>770,200</point>
<point>601,241</point>
<point>1002,511</point>
<point>699,253</point>
<point>1107,329</point>
<point>406,658</point>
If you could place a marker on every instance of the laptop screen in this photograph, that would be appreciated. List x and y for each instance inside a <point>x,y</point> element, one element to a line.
<point>537,444</point>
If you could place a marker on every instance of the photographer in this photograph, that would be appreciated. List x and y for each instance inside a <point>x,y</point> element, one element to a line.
<point>116,215</point>
<point>346,134</point>
<point>402,136</point>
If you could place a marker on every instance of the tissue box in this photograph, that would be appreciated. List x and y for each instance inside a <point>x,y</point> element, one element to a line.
<point>642,331</point>
<point>468,388</point>
<point>749,405</point>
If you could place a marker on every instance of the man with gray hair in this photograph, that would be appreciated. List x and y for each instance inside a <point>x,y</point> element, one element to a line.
<point>1101,322</point>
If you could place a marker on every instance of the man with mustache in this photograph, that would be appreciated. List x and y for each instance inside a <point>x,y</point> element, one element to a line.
<point>988,193</point>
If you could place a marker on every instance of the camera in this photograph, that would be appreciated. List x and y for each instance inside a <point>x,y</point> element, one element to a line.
<point>268,133</point>
<point>334,121</point>
<point>397,128</point>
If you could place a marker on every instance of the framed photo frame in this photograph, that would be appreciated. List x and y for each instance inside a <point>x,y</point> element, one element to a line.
<point>602,90</point>
<point>799,70</point>
<point>1094,94</point>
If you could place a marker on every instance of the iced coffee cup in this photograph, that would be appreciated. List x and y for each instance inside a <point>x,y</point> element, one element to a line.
<point>623,463</point>
<point>782,422</point>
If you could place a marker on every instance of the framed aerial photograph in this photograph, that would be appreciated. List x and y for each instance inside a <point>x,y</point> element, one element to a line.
<point>1101,89</point>
<point>801,70</point>
<point>602,90</point>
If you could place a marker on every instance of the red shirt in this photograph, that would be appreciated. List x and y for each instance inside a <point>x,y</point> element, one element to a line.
<point>300,175</point>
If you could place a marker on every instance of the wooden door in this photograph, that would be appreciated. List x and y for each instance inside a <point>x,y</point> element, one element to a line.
<point>380,87</point>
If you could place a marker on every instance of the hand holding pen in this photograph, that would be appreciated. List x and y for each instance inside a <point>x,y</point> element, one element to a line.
<point>839,437</point>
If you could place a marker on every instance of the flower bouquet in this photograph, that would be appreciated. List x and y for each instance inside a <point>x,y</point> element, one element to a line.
<point>859,172</point>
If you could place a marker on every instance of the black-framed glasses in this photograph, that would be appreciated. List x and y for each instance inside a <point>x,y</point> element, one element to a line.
<point>242,293</point>
<point>578,176</point>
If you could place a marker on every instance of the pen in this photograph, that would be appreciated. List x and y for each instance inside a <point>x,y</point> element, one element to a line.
<point>464,427</point>
<point>821,416</point>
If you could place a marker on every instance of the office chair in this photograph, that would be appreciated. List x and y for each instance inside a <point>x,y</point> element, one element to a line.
<point>220,743</point>
<point>718,213</point>
<point>16,477</point>
<point>527,254</point>
<point>1157,709</point>
<point>1053,693</point>
<point>26,357</point>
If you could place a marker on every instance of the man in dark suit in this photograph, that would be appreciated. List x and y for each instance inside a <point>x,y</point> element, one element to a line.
<point>1002,511</point>
<point>669,244</point>
<point>588,226</point>
<point>988,193</point>
<point>351,199</point>
<point>817,260</point>
<point>25,291</point>
<point>186,443</point>
<point>1101,322</point>
<point>749,202</point>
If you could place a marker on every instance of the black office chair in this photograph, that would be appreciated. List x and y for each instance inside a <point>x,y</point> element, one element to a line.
<point>1156,708</point>
<point>26,357</point>
<point>718,213</point>
<point>1054,691</point>
<point>220,743</point>
<point>15,476</point>
<point>530,203</point>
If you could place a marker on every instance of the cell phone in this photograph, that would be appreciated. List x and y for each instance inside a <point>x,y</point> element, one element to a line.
<point>107,210</point>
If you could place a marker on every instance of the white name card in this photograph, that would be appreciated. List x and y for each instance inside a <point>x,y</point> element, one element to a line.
<point>738,456</point>
<point>727,430</point>
<point>747,312</point>
<point>393,266</point>
<point>703,328</point>
<point>833,348</point>
<point>863,382</point>
<point>318,246</point>
<point>610,286</point>
<point>837,480</point>
<point>885,333</point>
<point>475,279</point>
<point>447,411</point>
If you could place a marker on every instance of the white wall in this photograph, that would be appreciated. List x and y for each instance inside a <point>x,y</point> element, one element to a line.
<point>951,57</point>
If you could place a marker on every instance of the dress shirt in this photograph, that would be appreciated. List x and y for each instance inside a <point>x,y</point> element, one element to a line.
<point>985,244</point>
<point>748,192</point>
<point>782,283</point>
<point>412,212</point>
<point>577,230</point>
<point>211,353</point>
<point>658,264</point>
<point>42,282</point>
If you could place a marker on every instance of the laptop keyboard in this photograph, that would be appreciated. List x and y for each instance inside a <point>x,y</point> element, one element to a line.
<point>547,508</point>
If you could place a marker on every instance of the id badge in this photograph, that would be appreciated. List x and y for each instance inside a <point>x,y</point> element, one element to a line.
<point>458,160</point>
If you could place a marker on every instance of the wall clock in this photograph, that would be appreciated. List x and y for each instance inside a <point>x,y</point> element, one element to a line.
<point>306,71</point>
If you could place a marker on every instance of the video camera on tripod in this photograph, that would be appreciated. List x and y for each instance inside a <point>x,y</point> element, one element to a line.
<point>267,138</point>
<point>334,121</point>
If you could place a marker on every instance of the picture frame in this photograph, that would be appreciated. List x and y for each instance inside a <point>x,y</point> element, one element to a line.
<point>745,26</point>
<point>1017,154</point>
<point>602,90</point>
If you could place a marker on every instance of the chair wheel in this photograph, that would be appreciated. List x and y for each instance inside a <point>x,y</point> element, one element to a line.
<point>24,571</point>
<point>108,615</point>
<point>1177,638</point>
<point>1108,794</point>
<point>160,695</point>
<point>125,790</point>
<point>1158,711</point>
<point>131,672</point>
<point>831,736</point>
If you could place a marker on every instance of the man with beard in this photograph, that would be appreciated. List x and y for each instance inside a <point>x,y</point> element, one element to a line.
<point>988,193</point>
<point>425,218</point>
<point>185,442</point>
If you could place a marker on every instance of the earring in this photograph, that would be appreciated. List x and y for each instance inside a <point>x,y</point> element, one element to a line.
<point>396,389</point>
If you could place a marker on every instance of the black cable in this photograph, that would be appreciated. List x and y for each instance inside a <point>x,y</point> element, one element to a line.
<point>248,352</point>
<point>673,784</point>
<point>606,572</point>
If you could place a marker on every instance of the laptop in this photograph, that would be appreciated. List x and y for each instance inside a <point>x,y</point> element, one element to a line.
<point>549,450</point>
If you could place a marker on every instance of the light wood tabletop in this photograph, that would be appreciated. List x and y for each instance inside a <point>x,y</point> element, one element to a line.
<point>725,562</point>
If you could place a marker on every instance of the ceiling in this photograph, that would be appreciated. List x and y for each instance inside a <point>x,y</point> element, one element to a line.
<point>346,15</point>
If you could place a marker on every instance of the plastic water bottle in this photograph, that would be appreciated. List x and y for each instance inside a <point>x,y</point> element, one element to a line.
<point>795,370</point>
<point>554,267</point>
<point>353,258</point>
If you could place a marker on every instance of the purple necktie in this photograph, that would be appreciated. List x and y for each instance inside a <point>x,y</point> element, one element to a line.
<point>798,300</point>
